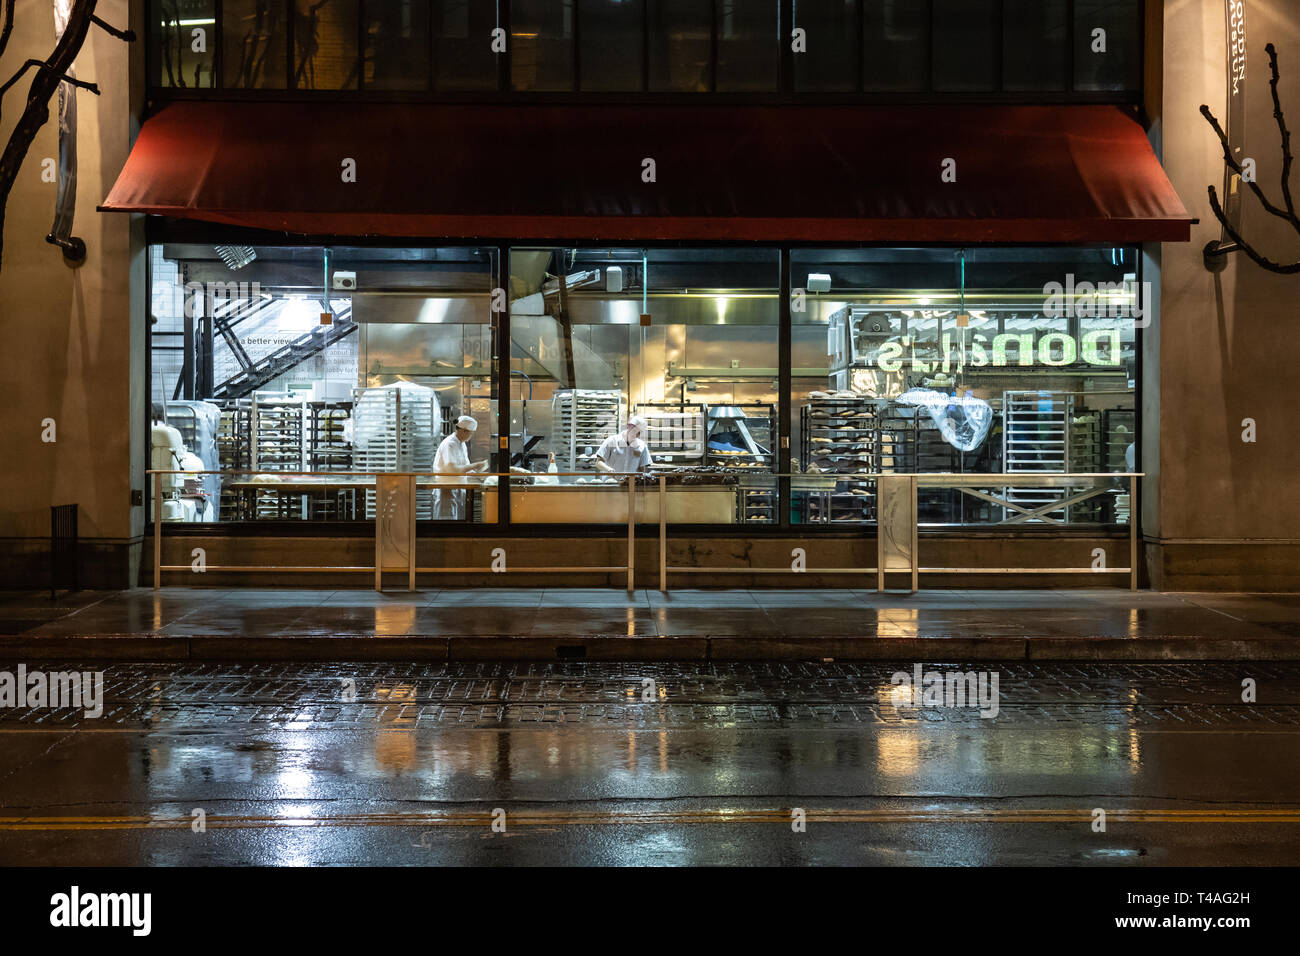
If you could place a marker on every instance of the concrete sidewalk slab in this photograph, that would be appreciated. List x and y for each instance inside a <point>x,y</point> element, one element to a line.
<point>694,625</point>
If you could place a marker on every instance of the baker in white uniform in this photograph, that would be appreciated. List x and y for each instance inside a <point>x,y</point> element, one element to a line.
<point>452,461</point>
<point>626,452</point>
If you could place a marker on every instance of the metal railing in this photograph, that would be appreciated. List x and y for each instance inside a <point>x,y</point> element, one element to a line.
<point>898,521</point>
<point>896,527</point>
<point>416,482</point>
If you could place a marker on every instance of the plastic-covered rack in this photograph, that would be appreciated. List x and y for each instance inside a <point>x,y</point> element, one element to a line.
<point>397,427</point>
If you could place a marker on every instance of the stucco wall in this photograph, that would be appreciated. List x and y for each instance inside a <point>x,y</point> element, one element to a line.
<point>1228,342</point>
<point>66,347</point>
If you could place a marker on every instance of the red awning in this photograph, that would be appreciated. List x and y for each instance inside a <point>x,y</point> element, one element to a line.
<point>772,173</point>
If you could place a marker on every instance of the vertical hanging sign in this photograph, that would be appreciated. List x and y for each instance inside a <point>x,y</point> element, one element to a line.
<point>65,200</point>
<point>1235,121</point>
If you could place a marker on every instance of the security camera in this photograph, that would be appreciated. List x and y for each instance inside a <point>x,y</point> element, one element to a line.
<point>345,281</point>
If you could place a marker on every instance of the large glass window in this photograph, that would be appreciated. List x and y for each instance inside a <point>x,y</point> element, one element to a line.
<point>830,61</point>
<point>681,46</point>
<point>184,42</point>
<point>895,46</point>
<point>542,51</point>
<point>988,47</point>
<point>271,361</point>
<point>610,48</point>
<point>685,339</point>
<point>975,361</point>
<point>397,45</point>
<point>1107,52</point>
<point>462,55</point>
<point>1035,51</point>
<point>965,41</point>
<point>325,45</point>
<point>254,44</point>
<point>748,45</point>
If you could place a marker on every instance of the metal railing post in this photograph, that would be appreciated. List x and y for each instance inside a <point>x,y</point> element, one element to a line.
<point>157,531</point>
<point>410,510</point>
<point>1132,534</point>
<point>631,533</point>
<point>916,523</point>
<point>663,534</point>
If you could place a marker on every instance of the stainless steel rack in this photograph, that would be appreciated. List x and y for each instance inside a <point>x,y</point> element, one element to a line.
<point>1035,440</point>
<point>674,432</point>
<point>583,418</point>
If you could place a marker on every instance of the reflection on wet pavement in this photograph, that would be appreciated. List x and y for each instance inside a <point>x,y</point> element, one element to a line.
<point>656,763</point>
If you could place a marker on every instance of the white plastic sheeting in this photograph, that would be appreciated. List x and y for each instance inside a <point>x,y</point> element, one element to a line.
<point>963,422</point>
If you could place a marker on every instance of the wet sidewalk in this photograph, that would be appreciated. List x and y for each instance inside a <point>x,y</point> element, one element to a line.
<point>686,625</point>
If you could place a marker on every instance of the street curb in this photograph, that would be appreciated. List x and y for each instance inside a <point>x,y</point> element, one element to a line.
<point>501,647</point>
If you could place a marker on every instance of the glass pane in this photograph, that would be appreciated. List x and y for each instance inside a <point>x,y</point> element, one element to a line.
<point>325,45</point>
<point>542,52</point>
<point>702,375</point>
<point>831,59</point>
<point>462,45</point>
<point>397,45</point>
<point>895,45</point>
<point>1107,44</point>
<point>179,27</point>
<point>748,45</point>
<point>296,394</point>
<point>966,36</point>
<point>254,44</point>
<point>1026,367</point>
<point>680,40</point>
<point>1034,45</point>
<point>611,33</point>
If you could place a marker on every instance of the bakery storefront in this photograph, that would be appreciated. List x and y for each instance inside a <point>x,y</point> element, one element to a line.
<point>792,304</point>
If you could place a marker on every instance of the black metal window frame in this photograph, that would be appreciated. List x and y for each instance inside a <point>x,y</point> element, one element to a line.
<point>784,90</point>
<point>161,231</point>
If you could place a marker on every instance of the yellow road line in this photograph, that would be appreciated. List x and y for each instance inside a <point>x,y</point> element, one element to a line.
<point>553,818</point>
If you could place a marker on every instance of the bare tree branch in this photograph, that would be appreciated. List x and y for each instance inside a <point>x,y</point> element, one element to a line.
<point>41,64</point>
<point>50,73</point>
<point>1216,251</point>
<point>1260,260</point>
<point>6,25</point>
<point>1287,158</point>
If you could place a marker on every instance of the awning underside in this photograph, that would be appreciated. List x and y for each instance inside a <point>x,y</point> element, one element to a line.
<point>826,174</point>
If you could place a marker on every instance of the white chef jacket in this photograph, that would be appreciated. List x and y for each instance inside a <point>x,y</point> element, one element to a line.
<point>624,456</point>
<point>450,503</point>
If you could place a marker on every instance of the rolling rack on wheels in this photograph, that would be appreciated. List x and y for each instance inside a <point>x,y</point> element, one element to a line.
<point>583,419</point>
<point>235,452</point>
<point>279,444</point>
<point>840,436</point>
<point>328,449</point>
<point>1085,456</point>
<point>1035,440</point>
<point>674,432</point>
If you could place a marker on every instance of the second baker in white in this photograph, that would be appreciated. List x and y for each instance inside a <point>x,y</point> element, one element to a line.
<point>451,462</point>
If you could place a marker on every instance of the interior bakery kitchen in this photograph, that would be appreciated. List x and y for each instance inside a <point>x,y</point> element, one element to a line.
<point>769,385</point>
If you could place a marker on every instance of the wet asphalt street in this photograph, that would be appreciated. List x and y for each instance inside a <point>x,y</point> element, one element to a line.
<point>655,764</point>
